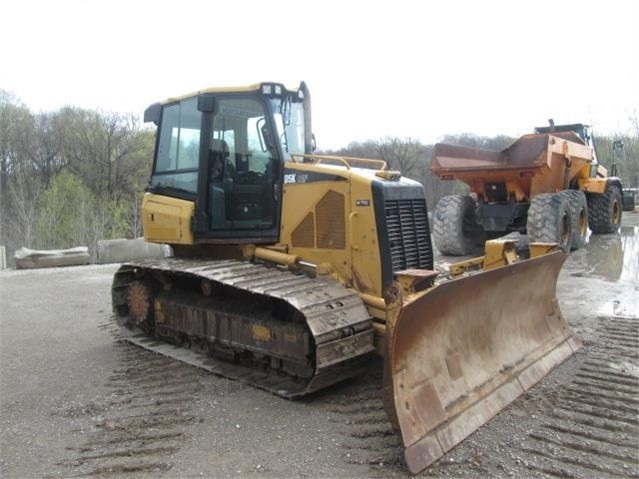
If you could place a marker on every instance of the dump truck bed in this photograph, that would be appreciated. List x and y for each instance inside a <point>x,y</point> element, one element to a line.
<point>534,164</point>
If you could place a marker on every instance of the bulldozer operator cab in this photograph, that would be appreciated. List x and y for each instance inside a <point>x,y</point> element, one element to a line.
<point>223,150</point>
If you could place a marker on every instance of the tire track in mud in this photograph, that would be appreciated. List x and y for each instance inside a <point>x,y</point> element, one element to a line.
<point>368,437</point>
<point>141,424</point>
<point>585,428</point>
<point>592,424</point>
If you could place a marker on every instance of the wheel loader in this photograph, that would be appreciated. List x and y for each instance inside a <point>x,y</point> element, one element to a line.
<point>290,270</point>
<point>630,196</point>
<point>547,185</point>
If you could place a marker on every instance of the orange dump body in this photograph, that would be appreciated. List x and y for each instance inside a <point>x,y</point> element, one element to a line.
<point>534,164</point>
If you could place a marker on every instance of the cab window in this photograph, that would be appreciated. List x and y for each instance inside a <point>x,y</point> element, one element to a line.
<point>176,164</point>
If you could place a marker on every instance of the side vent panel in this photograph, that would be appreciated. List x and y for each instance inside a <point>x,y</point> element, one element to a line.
<point>304,235</point>
<point>331,226</point>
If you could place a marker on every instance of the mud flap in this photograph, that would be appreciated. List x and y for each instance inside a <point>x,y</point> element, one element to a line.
<point>462,351</point>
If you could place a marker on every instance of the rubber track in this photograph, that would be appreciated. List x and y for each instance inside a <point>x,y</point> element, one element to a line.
<point>331,311</point>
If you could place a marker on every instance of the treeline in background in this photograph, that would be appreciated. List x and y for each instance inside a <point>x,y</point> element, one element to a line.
<point>75,176</point>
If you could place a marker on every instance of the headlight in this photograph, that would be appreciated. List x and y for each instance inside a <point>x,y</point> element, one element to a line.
<point>272,89</point>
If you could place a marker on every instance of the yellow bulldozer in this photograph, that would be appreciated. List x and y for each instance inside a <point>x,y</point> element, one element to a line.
<point>291,269</point>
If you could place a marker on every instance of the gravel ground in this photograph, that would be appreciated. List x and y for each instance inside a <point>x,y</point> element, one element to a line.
<point>77,400</point>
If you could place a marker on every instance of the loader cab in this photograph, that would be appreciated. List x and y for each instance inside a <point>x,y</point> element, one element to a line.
<point>584,133</point>
<point>581,130</point>
<point>224,150</point>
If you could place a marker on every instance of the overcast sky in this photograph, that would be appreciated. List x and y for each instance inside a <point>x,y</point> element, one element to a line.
<point>374,68</point>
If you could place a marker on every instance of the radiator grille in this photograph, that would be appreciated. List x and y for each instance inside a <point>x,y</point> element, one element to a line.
<point>408,234</point>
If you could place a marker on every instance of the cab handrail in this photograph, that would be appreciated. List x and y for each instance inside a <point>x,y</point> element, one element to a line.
<point>347,161</point>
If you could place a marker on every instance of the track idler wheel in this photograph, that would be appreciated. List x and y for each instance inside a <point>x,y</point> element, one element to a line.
<point>140,302</point>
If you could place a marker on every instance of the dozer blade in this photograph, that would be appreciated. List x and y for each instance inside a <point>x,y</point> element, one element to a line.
<point>464,350</point>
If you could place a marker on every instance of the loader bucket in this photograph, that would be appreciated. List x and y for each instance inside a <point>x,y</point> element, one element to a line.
<point>462,351</point>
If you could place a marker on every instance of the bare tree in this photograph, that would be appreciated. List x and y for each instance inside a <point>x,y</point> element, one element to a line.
<point>46,151</point>
<point>105,150</point>
<point>20,183</point>
<point>406,155</point>
<point>470,140</point>
<point>24,193</point>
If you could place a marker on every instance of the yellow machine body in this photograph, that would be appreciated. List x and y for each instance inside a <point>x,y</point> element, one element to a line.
<point>353,237</point>
<point>167,220</point>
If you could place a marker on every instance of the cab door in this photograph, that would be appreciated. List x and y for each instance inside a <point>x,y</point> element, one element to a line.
<point>243,173</point>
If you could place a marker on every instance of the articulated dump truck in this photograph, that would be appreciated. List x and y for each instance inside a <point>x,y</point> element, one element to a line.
<point>547,185</point>
<point>290,270</point>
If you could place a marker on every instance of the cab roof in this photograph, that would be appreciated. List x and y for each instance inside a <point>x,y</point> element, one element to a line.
<point>255,87</point>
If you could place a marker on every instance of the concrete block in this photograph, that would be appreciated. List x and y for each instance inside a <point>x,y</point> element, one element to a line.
<point>123,250</point>
<point>26,258</point>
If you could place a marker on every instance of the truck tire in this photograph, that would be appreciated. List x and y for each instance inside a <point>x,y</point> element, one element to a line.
<point>628,199</point>
<point>455,227</point>
<point>604,210</point>
<point>579,213</point>
<point>550,220</point>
